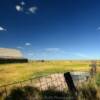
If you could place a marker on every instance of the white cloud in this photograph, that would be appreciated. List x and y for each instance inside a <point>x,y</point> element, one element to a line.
<point>22,3</point>
<point>52,49</point>
<point>33,9</point>
<point>30,54</point>
<point>98,28</point>
<point>55,50</point>
<point>60,51</point>
<point>27,44</point>
<point>80,55</point>
<point>56,53</point>
<point>19,8</point>
<point>19,47</point>
<point>22,7</point>
<point>2,29</point>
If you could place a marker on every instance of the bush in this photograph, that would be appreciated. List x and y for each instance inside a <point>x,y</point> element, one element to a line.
<point>25,93</point>
<point>88,92</point>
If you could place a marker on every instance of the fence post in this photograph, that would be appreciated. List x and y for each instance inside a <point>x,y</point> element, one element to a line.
<point>70,84</point>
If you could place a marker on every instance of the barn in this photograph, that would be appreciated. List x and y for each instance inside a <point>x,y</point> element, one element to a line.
<point>8,55</point>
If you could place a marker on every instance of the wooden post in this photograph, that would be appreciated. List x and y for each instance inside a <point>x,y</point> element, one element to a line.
<point>70,84</point>
<point>93,66</point>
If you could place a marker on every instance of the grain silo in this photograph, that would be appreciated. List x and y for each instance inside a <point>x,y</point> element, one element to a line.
<point>8,55</point>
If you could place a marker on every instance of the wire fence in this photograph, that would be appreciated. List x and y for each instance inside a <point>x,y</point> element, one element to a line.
<point>45,82</point>
<point>55,81</point>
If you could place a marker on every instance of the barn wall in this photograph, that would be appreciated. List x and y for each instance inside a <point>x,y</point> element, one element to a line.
<point>14,60</point>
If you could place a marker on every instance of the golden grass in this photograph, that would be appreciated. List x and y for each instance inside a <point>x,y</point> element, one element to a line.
<point>10,73</point>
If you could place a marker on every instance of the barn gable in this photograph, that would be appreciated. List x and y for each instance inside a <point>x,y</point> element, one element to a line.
<point>8,55</point>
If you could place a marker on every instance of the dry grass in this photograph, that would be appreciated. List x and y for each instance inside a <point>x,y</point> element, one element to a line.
<point>16,72</point>
<point>87,91</point>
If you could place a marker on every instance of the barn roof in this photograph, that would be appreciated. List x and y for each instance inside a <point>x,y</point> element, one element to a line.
<point>10,53</point>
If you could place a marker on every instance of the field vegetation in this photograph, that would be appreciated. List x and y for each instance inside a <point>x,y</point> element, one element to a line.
<point>10,73</point>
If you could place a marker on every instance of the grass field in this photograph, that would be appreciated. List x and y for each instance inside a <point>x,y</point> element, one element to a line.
<point>10,73</point>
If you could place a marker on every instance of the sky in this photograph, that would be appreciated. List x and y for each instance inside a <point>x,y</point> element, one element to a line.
<point>51,29</point>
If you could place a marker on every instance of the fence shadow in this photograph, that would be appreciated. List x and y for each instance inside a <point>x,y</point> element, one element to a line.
<point>31,93</point>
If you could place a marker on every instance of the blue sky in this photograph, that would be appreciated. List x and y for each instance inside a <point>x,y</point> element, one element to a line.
<point>51,29</point>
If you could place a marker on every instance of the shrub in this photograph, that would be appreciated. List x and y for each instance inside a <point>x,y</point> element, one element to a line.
<point>88,92</point>
<point>24,93</point>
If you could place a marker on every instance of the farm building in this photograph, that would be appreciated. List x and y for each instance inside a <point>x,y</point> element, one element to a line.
<point>8,55</point>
